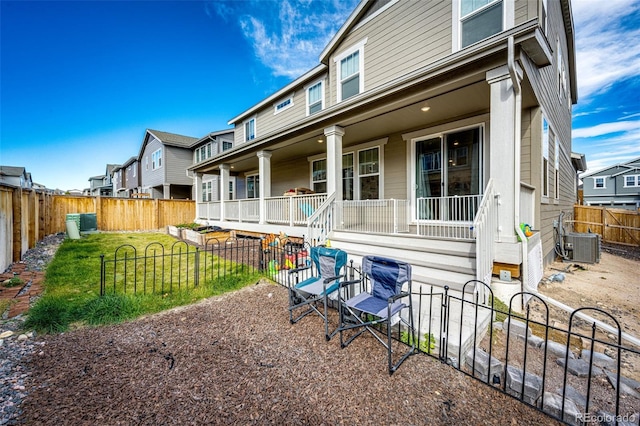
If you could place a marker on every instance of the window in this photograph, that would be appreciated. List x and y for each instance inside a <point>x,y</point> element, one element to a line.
<point>250,129</point>
<point>347,176</point>
<point>284,105</point>
<point>203,152</point>
<point>206,191</point>
<point>598,183</point>
<point>146,161</point>
<point>135,168</point>
<point>560,71</point>
<point>253,186</point>
<point>156,159</point>
<point>226,145</point>
<point>319,175</point>
<point>631,181</point>
<point>351,71</point>
<point>479,19</point>
<point>545,157</point>
<point>315,98</point>
<point>556,157</point>
<point>369,173</point>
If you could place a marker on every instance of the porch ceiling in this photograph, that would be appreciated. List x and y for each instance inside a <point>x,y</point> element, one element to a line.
<point>449,100</point>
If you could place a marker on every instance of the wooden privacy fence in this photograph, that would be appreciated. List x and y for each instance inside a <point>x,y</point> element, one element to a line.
<point>615,225</point>
<point>27,216</point>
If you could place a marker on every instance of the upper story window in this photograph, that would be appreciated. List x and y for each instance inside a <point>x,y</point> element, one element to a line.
<point>250,129</point>
<point>598,183</point>
<point>631,181</point>
<point>480,19</point>
<point>156,159</point>
<point>284,105</point>
<point>560,71</point>
<point>315,98</point>
<point>226,145</point>
<point>350,71</point>
<point>545,157</point>
<point>203,152</point>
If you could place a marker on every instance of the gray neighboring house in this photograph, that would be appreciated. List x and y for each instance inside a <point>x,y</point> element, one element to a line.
<point>15,176</point>
<point>102,185</point>
<point>205,148</point>
<point>164,158</point>
<point>119,182</point>
<point>615,186</point>
<point>131,170</point>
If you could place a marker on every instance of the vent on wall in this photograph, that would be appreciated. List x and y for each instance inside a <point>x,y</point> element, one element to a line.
<point>582,247</point>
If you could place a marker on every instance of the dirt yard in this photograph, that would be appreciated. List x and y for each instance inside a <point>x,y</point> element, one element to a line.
<point>613,285</point>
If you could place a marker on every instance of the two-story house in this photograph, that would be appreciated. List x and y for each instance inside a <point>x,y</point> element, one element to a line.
<point>131,169</point>
<point>15,176</point>
<point>617,186</point>
<point>119,182</point>
<point>164,158</point>
<point>102,185</point>
<point>428,131</point>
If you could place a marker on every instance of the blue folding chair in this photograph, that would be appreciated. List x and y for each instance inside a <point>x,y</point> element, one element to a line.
<point>326,269</point>
<point>380,301</point>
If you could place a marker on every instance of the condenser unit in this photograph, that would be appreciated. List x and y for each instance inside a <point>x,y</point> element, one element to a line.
<point>582,247</point>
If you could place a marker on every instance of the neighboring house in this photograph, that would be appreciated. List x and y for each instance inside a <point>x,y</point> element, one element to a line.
<point>164,159</point>
<point>16,177</point>
<point>208,147</point>
<point>102,185</point>
<point>119,182</point>
<point>616,186</point>
<point>428,131</point>
<point>132,176</point>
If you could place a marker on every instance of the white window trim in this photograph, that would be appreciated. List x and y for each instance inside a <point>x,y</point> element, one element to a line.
<point>284,108</point>
<point>637,181</point>
<point>508,21</point>
<point>155,165</point>
<point>306,92</point>
<point>252,174</point>
<point>357,47</point>
<point>255,129</point>
<point>355,149</point>
<point>604,182</point>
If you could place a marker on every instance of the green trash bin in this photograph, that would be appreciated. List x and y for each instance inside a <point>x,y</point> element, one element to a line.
<point>73,225</point>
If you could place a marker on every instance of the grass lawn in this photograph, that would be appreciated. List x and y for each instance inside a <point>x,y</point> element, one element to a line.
<point>72,282</point>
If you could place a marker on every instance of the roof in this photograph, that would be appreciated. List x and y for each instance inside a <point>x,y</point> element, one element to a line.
<point>628,165</point>
<point>173,139</point>
<point>579,162</point>
<point>213,135</point>
<point>11,171</point>
<point>130,161</point>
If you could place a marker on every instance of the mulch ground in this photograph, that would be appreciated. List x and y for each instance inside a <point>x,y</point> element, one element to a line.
<point>235,359</point>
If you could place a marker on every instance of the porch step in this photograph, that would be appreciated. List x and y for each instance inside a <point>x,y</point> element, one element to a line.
<point>434,262</point>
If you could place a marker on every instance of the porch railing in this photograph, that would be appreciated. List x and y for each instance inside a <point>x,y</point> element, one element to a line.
<point>245,210</point>
<point>447,217</point>
<point>321,222</point>
<point>292,210</point>
<point>376,216</point>
<point>209,210</point>
<point>485,230</point>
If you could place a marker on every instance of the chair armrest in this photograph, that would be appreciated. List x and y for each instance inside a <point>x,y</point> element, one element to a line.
<point>328,280</point>
<point>292,271</point>
<point>398,296</point>
<point>348,283</point>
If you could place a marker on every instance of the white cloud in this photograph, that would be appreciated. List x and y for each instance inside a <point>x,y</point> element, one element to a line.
<point>289,41</point>
<point>606,128</point>
<point>606,49</point>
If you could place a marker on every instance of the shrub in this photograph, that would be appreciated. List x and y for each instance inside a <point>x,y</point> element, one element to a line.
<point>13,282</point>
<point>110,309</point>
<point>49,315</point>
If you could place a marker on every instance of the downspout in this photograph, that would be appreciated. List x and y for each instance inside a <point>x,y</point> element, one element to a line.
<point>516,163</point>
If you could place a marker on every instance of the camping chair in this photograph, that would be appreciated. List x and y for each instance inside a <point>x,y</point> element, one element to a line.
<point>379,303</point>
<point>326,267</point>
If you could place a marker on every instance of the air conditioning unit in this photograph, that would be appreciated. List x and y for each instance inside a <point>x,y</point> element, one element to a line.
<point>582,247</point>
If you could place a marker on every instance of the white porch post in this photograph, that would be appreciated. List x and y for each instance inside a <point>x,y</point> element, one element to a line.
<point>224,188</point>
<point>504,166</point>
<point>197,188</point>
<point>264,185</point>
<point>334,160</point>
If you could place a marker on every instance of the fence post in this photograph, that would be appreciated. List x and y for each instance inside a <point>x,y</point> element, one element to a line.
<point>444,329</point>
<point>196,277</point>
<point>17,223</point>
<point>102,276</point>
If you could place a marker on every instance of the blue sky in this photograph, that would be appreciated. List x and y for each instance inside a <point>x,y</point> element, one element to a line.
<point>81,81</point>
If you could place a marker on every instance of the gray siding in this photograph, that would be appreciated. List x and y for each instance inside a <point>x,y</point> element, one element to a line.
<point>558,113</point>
<point>403,38</point>
<point>395,168</point>
<point>152,177</point>
<point>133,182</point>
<point>176,161</point>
